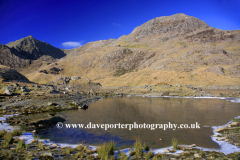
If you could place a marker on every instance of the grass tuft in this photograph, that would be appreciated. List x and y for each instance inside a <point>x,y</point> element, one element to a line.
<point>21,145</point>
<point>138,148</point>
<point>2,133</point>
<point>16,132</point>
<point>8,138</point>
<point>69,150</point>
<point>79,147</point>
<point>149,155</point>
<point>106,150</point>
<point>175,143</point>
<point>40,145</point>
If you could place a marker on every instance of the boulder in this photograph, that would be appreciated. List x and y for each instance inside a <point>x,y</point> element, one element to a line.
<point>23,89</point>
<point>186,153</point>
<point>166,151</point>
<point>234,124</point>
<point>221,138</point>
<point>75,78</point>
<point>9,87</point>
<point>8,92</point>
<point>54,145</point>
<point>83,107</point>
<point>221,129</point>
<point>15,84</point>
<point>47,155</point>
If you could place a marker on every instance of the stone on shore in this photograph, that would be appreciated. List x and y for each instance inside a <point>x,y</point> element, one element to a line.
<point>221,129</point>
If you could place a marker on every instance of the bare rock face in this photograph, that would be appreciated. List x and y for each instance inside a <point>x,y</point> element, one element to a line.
<point>211,35</point>
<point>10,57</point>
<point>33,49</point>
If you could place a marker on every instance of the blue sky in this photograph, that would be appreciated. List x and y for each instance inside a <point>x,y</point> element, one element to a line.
<point>72,23</point>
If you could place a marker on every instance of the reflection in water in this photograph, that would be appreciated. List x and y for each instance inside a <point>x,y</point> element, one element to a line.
<point>127,110</point>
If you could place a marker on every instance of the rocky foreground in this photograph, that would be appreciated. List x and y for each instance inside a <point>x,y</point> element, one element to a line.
<point>36,105</point>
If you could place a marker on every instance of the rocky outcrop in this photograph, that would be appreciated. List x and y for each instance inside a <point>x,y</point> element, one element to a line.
<point>216,69</point>
<point>175,25</point>
<point>53,70</point>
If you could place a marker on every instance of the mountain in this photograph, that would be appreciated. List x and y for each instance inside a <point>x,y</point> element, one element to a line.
<point>177,49</point>
<point>33,49</point>
<point>28,54</point>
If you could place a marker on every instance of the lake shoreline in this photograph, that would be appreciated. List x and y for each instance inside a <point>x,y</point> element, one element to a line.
<point>53,102</point>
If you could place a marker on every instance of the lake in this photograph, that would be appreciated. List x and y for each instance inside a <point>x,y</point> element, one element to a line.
<point>149,110</point>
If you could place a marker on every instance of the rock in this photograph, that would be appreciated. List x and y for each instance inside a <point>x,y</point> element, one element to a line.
<point>216,69</point>
<point>54,70</point>
<point>192,145</point>
<point>189,148</point>
<point>234,124</point>
<point>220,129</point>
<point>54,145</point>
<point>182,147</point>
<point>221,138</point>
<point>83,107</point>
<point>8,92</point>
<point>47,155</point>
<point>196,155</point>
<point>63,147</point>
<point>177,155</point>
<point>23,89</point>
<point>51,103</point>
<point>75,78</point>
<point>166,151</point>
<point>9,87</point>
<point>92,92</point>
<point>186,153</point>
<point>15,84</point>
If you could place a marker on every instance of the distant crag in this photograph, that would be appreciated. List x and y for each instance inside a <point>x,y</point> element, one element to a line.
<point>28,54</point>
<point>33,49</point>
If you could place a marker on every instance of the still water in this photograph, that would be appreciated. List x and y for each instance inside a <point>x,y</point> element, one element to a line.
<point>149,110</point>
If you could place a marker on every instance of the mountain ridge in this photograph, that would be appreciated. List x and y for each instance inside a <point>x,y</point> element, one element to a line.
<point>165,50</point>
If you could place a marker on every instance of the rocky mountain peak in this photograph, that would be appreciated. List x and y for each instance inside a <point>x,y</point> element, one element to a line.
<point>34,49</point>
<point>178,24</point>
